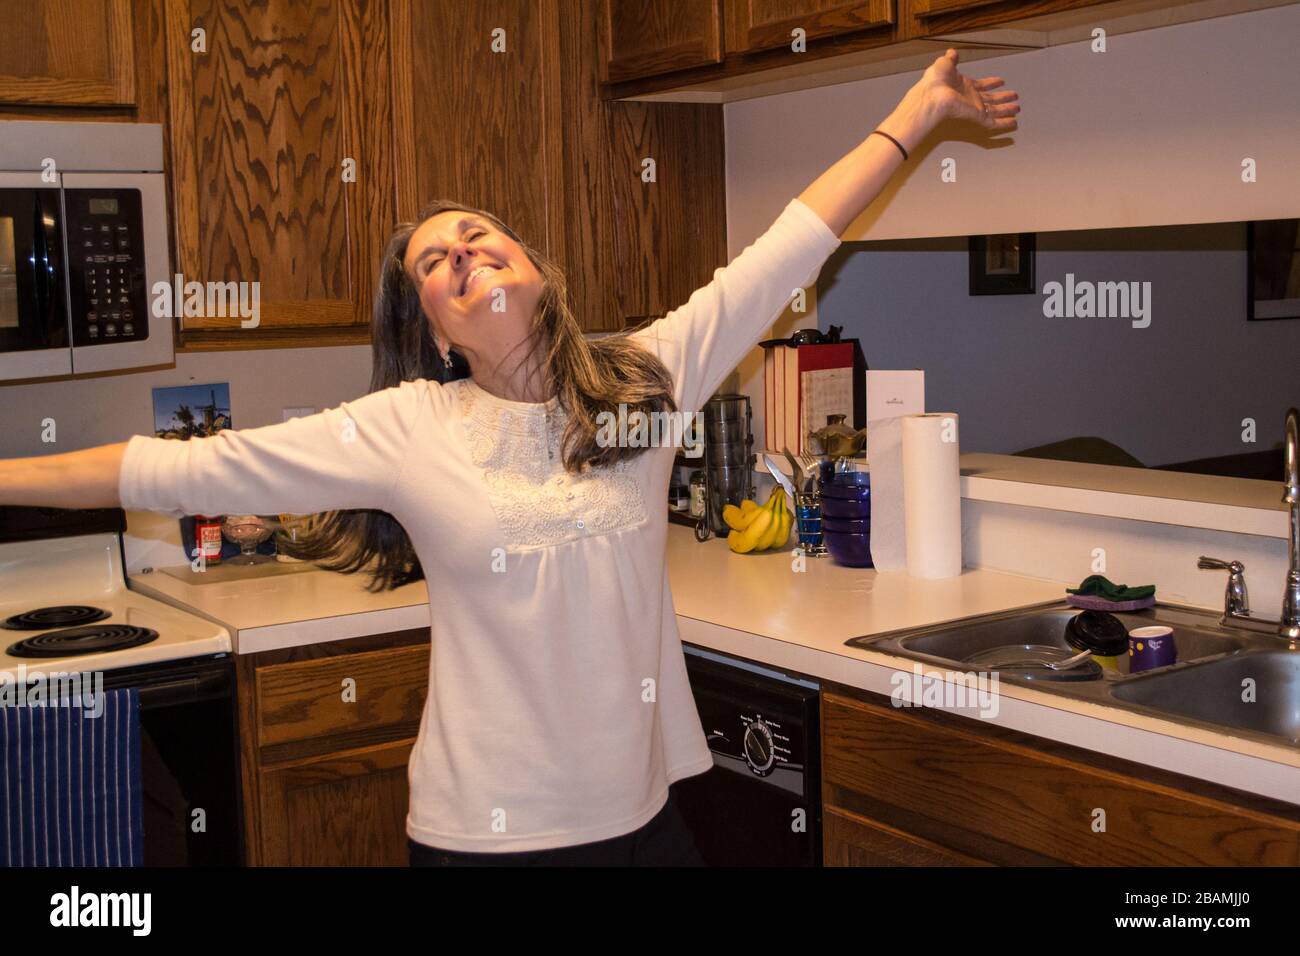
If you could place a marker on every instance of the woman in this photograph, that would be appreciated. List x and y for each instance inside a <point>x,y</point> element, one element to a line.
<point>558,711</point>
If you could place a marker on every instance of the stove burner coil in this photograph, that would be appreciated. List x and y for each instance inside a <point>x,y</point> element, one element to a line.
<point>73,641</point>
<point>62,615</point>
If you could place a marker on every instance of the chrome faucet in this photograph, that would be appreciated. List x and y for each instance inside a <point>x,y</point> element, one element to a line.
<point>1236,604</point>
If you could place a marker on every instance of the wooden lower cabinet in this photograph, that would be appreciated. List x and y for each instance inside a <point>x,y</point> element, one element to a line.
<point>346,809</point>
<point>326,733</point>
<point>925,788</point>
<point>854,841</point>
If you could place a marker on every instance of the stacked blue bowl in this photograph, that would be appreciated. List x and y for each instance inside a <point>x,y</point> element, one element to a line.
<point>846,518</point>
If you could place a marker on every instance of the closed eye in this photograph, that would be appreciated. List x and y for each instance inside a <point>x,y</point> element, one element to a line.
<point>433,261</point>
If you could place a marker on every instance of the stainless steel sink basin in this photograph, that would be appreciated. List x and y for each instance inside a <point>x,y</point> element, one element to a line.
<point>1196,636</point>
<point>1203,687</point>
<point>1214,692</point>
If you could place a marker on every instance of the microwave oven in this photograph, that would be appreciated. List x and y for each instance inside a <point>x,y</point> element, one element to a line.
<point>83,240</point>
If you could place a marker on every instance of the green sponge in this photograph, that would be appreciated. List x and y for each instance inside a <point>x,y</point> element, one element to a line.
<point>1098,586</point>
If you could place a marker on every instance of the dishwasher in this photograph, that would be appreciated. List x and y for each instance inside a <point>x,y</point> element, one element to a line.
<point>760,804</point>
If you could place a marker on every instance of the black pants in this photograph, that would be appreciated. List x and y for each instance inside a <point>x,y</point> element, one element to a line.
<point>664,841</point>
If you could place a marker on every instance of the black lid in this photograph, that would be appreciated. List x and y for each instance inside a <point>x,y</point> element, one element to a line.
<point>1099,632</point>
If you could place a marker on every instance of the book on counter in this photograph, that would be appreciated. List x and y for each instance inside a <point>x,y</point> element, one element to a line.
<point>803,384</point>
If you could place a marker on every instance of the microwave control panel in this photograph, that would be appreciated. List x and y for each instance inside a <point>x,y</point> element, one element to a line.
<point>106,277</point>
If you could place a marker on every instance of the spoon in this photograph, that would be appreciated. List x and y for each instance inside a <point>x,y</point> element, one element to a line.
<point>1068,662</point>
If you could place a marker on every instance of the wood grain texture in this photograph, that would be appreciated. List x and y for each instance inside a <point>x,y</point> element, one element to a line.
<point>928,8</point>
<point>347,809</point>
<point>932,17</point>
<point>476,118</point>
<point>257,762</point>
<point>68,52</point>
<point>289,337</point>
<point>304,700</point>
<point>582,204</point>
<point>851,840</point>
<point>837,34</point>
<point>754,25</point>
<point>368,128</point>
<point>648,37</point>
<point>669,235</point>
<point>260,126</point>
<point>987,797</point>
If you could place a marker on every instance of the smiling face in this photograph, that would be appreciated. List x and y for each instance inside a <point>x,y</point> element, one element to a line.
<point>477,285</point>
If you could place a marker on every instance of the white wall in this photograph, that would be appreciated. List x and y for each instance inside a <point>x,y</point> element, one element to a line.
<point>1173,391</point>
<point>1059,546</point>
<point>1152,132</point>
<point>98,411</point>
<point>112,408</point>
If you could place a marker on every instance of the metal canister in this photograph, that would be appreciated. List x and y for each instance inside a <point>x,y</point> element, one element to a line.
<point>728,456</point>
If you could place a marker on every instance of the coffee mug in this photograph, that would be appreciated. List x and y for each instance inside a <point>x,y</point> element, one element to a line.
<point>1151,647</point>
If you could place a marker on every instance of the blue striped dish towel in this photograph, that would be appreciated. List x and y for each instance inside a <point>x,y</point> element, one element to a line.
<point>70,784</point>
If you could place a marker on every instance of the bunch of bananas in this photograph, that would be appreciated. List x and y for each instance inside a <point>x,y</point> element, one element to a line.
<point>757,527</point>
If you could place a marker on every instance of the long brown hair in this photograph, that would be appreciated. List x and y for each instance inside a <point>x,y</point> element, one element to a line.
<point>589,376</point>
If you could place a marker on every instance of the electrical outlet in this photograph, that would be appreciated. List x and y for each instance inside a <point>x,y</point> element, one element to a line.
<point>289,413</point>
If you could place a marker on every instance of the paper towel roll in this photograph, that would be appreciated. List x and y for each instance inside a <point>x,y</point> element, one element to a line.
<point>932,495</point>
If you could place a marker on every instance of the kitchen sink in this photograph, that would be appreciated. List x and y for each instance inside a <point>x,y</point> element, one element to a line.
<point>1202,687</point>
<point>1214,692</point>
<point>1196,637</point>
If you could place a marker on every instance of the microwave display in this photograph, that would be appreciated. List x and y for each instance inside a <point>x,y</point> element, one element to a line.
<point>106,278</point>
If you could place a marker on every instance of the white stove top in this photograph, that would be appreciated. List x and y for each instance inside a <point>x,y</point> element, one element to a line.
<point>87,570</point>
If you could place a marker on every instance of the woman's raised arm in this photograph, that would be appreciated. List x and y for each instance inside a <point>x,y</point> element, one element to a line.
<point>840,194</point>
<point>702,341</point>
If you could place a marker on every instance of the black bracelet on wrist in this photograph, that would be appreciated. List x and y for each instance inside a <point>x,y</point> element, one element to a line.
<point>892,140</point>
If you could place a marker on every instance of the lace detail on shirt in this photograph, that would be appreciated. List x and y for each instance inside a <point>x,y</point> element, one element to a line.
<point>537,503</point>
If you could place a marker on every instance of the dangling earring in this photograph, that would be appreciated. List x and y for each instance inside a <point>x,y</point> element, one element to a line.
<point>446,359</point>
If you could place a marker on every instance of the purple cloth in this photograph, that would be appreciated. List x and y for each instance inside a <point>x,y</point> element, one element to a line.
<point>1101,604</point>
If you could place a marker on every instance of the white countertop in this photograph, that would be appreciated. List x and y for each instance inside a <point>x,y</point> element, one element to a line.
<point>759,607</point>
<point>291,610</point>
<point>756,607</point>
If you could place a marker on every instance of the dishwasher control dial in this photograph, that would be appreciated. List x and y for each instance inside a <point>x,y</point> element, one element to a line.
<point>760,749</point>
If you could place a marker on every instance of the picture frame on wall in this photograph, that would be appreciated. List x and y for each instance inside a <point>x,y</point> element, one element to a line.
<point>1272,269</point>
<point>1002,264</point>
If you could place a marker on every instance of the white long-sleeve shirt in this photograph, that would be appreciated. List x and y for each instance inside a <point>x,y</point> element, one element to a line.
<point>558,709</point>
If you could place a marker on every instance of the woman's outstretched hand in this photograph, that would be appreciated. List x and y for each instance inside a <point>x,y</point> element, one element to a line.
<point>954,96</point>
<point>840,194</point>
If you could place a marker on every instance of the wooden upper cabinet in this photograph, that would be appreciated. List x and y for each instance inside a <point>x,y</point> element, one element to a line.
<point>930,17</point>
<point>281,160</point>
<point>477,110</point>
<point>649,37</point>
<point>669,234</point>
<point>933,8</point>
<point>67,53</point>
<point>754,25</point>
